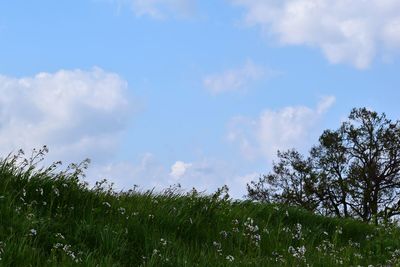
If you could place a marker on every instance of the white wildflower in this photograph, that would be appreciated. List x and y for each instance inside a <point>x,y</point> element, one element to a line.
<point>298,252</point>
<point>107,204</point>
<point>224,234</point>
<point>121,210</point>
<point>32,232</point>
<point>163,242</point>
<point>56,191</point>
<point>230,258</point>
<point>59,235</point>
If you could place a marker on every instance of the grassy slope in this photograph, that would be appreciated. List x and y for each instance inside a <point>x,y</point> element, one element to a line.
<point>49,219</point>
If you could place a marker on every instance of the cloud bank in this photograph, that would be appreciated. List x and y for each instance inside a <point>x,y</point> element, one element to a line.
<point>76,113</point>
<point>276,130</point>
<point>346,31</point>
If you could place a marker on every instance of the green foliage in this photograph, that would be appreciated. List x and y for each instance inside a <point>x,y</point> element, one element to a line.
<point>50,218</point>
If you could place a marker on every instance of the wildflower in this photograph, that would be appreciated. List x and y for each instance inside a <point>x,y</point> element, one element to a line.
<point>216,244</point>
<point>354,244</point>
<point>59,235</point>
<point>151,216</point>
<point>18,210</point>
<point>297,234</point>
<point>156,252</point>
<point>251,231</point>
<point>218,247</point>
<point>32,232</point>
<point>107,204</point>
<point>121,210</point>
<point>224,234</point>
<point>256,238</point>
<point>298,252</point>
<point>56,191</point>
<point>230,258</point>
<point>2,246</point>
<point>339,230</point>
<point>58,245</point>
<point>163,242</point>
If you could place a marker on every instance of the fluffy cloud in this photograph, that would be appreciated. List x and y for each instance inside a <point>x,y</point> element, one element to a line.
<point>179,168</point>
<point>347,31</point>
<point>234,79</point>
<point>77,113</point>
<point>276,130</point>
<point>159,9</point>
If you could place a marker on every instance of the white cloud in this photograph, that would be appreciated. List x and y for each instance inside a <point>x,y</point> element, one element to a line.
<point>160,9</point>
<point>347,31</point>
<point>179,168</point>
<point>287,128</point>
<point>77,113</point>
<point>234,79</point>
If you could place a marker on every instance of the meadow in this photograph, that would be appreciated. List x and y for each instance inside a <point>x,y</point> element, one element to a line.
<point>50,217</point>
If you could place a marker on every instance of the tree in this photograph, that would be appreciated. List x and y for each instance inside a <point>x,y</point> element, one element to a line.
<point>353,171</point>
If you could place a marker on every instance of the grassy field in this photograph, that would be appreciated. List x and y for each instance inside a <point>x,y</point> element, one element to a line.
<point>50,218</point>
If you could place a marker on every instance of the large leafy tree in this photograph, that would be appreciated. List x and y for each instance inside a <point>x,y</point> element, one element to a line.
<point>354,171</point>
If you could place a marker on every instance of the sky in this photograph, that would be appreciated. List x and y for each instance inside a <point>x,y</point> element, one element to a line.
<point>189,92</point>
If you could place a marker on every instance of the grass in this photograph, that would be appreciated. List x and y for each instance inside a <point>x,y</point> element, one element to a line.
<point>50,218</point>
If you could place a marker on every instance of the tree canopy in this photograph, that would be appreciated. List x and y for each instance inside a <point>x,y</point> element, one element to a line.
<point>353,171</point>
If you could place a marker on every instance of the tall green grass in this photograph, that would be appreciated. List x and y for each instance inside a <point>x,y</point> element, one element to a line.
<point>50,218</point>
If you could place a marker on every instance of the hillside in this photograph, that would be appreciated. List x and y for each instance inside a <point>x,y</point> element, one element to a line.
<point>50,218</point>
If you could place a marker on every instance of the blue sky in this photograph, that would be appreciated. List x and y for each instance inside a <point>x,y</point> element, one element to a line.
<point>200,93</point>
